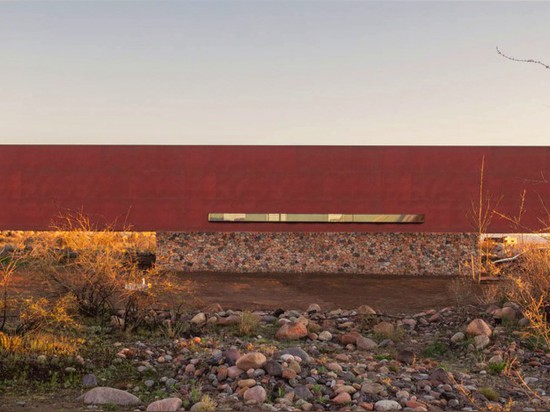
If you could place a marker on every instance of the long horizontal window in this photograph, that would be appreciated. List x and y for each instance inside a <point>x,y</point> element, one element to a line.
<point>314,218</point>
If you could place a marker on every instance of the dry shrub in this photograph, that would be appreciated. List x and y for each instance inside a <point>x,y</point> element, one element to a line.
<point>95,265</point>
<point>530,287</point>
<point>41,314</point>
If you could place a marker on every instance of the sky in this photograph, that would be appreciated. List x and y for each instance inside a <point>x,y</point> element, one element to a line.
<point>274,72</point>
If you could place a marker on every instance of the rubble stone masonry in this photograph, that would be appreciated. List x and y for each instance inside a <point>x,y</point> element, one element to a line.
<point>316,252</point>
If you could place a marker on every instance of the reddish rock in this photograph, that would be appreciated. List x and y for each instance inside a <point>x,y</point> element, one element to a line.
<point>342,397</point>
<point>251,360</point>
<point>291,331</point>
<point>350,338</point>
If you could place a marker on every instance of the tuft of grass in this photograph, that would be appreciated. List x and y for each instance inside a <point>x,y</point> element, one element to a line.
<point>207,404</point>
<point>489,393</point>
<point>496,368</point>
<point>248,324</point>
<point>435,350</point>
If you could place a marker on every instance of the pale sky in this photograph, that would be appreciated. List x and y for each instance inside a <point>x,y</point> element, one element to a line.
<point>273,72</point>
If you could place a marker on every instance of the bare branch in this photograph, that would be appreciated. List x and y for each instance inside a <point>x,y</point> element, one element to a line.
<point>546,66</point>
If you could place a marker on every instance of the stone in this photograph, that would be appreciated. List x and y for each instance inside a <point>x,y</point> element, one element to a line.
<point>273,368</point>
<point>234,371</point>
<point>295,351</point>
<point>384,329</point>
<point>199,318</point>
<point>289,374</point>
<point>251,360</point>
<point>458,337</point>
<point>325,336</point>
<point>387,405</point>
<point>478,327</point>
<point>372,388</point>
<point>291,331</point>
<point>89,381</point>
<point>406,356</point>
<point>507,313</point>
<point>481,342</point>
<point>168,404</point>
<point>365,310</point>
<point>342,397</point>
<point>345,388</point>
<point>229,320</point>
<point>335,367</point>
<point>364,343</point>
<point>106,395</point>
<point>256,394</point>
<point>303,392</point>
<point>495,360</point>
<point>440,375</point>
<point>314,307</point>
<point>246,383</point>
<point>349,338</point>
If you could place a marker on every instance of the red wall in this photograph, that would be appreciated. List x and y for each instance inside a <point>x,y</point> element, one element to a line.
<point>175,187</point>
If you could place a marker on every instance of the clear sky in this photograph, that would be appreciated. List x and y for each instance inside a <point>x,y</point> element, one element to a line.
<point>273,72</point>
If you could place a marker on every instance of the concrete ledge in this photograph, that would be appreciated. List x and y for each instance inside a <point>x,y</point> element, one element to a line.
<point>316,252</point>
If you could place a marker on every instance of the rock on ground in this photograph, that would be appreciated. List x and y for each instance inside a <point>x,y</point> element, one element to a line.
<point>168,404</point>
<point>251,360</point>
<point>256,394</point>
<point>478,327</point>
<point>387,405</point>
<point>291,331</point>
<point>105,395</point>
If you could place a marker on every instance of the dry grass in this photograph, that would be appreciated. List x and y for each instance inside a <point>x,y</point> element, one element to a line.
<point>530,287</point>
<point>39,344</point>
<point>248,324</point>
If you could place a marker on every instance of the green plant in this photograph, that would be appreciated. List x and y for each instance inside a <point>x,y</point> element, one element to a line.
<point>489,393</point>
<point>435,350</point>
<point>496,368</point>
<point>196,392</point>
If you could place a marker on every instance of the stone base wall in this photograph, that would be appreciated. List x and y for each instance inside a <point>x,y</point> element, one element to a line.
<point>291,252</point>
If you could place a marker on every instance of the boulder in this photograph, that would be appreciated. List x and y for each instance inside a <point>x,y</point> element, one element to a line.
<point>105,395</point>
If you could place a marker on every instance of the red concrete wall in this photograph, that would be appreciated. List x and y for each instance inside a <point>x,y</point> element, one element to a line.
<point>174,187</point>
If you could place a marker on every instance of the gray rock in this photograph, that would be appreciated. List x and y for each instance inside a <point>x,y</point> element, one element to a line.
<point>273,368</point>
<point>406,356</point>
<point>89,381</point>
<point>295,351</point>
<point>364,343</point>
<point>303,392</point>
<point>481,342</point>
<point>458,337</point>
<point>105,395</point>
